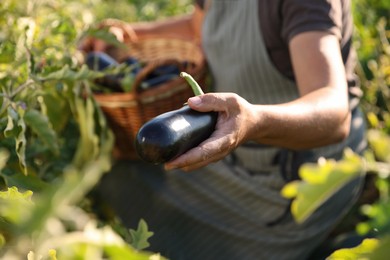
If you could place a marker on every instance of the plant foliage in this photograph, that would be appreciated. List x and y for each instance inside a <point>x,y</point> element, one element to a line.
<point>56,144</point>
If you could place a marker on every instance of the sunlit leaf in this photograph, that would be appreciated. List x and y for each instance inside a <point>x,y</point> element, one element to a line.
<point>88,147</point>
<point>15,205</point>
<point>21,141</point>
<point>4,155</point>
<point>312,191</point>
<point>139,237</point>
<point>382,251</point>
<point>39,123</point>
<point>52,254</point>
<point>27,182</point>
<point>11,130</point>
<point>373,119</point>
<point>67,73</point>
<point>13,193</point>
<point>380,143</point>
<point>361,251</point>
<point>2,241</point>
<point>57,110</point>
<point>126,252</point>
<point>313,174</point>
<point>290,190</point>
<point>363,228</point>
<point>378,215</point>
<point>106,36</point>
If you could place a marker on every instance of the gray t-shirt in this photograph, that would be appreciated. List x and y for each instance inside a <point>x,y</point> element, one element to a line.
<point>281,20</point>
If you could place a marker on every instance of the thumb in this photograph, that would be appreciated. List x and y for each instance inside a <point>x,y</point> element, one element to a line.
<point>205,103</point>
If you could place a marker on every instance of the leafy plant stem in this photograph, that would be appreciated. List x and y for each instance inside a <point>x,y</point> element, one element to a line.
<point>20,88</point>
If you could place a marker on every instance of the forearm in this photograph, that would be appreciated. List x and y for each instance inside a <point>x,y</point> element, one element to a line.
<point>180,25</point>
<point>186,26</point>
<point>316,119</point>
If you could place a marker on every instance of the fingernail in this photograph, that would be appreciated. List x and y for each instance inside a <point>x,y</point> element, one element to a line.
<point>195,100</point>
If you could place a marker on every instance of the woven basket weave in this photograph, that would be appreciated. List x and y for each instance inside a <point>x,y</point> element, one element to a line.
<point>127,112</point>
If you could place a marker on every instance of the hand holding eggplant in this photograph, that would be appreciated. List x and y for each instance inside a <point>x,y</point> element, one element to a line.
<point>232,129</point>
<point>173,133</point>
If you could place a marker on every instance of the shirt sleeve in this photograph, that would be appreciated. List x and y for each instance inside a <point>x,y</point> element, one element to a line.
<point>314,15</point>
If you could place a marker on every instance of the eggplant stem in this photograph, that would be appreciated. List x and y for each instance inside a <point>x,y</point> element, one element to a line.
<point>194,85</point>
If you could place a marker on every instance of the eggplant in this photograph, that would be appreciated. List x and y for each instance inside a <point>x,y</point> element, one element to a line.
<point>134,63</point>
<point>165,69</point>
<point>173,133</point>
<point>152,82</point>
<point>100,61</point>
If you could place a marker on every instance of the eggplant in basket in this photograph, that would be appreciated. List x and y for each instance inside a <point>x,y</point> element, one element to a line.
<point>100,61</point>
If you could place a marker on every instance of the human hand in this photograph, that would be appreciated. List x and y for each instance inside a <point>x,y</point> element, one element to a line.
<point>235,121</point>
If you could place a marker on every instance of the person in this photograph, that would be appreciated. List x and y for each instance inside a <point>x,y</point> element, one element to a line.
<point>286,94</point>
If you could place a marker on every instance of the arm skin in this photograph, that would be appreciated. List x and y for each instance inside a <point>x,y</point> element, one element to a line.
<point>187,26</point>
<point>319,117</point>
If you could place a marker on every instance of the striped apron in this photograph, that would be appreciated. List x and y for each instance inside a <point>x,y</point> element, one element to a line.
<point>232,209</point>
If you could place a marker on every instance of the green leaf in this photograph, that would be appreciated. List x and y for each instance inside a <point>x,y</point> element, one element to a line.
<point>125,252</point>
<point>382,251</point>
<point>4,155</point>
<point>319,182</point>
<point>372,119</point>
<point>27,182</point>
<point>12,193</point>
<point>57,110</point>
<point>21,141</point>
<point>140,236</point>
<point>2,241</point>
<point>15,205</point>
<point>64,73</point>
<point>106,36</point>
<point>11,130</point>
<point>89,144</point>
<point>127,83</point>
<point>40,125</point>
<point>378,215</point>
<point>290,190</point>
<point>380,143</point>
<point>67,73</point>
<point>361,251</point>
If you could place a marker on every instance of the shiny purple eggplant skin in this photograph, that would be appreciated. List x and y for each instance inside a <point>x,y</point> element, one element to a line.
<point>171,134</point>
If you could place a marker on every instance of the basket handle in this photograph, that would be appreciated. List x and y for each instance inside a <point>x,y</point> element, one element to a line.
<point>128,32</point>
<point>149,67</point>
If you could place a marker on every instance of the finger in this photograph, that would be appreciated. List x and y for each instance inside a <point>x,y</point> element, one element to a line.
<point>191,157</point>
<point>208,102</point>
<point>207,152</point>
<point>187,162</point>
<point>195,166</point>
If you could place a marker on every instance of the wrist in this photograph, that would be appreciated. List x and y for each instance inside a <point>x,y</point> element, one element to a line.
<point>256,130</point>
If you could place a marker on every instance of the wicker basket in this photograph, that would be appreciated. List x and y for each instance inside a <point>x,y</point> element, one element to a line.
<point>127,112</point>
